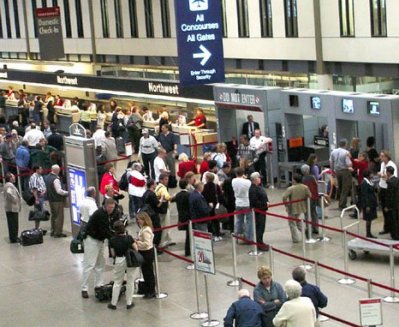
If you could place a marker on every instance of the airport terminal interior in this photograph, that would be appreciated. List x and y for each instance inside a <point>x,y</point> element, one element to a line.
<point>309,72</point>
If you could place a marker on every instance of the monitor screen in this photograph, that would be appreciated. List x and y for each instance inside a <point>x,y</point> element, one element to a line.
<point>347,106</point>
<point>294,101</point>
<point>315,103</point>
<point>373,108</point>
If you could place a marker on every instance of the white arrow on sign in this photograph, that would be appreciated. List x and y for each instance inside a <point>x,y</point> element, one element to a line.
<point>205,55</point>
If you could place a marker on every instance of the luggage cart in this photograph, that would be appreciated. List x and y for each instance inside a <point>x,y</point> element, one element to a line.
<point>359,245</point>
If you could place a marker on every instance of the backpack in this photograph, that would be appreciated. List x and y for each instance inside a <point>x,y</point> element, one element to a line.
<point>124,182</point>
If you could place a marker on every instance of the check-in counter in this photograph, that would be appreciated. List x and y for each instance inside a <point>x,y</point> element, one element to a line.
<point>11,108</point>
<point>66,117</point>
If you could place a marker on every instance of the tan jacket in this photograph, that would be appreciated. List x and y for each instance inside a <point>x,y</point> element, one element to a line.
<point>12,199</point>
<point>296,192</point>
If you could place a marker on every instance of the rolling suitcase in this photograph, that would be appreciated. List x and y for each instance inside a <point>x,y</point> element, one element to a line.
<point>120,145</point>
<point>31,237</point>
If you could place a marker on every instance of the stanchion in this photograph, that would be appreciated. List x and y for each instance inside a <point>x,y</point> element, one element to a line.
<point>321,318</point>
<point>198,315</point>
<point>2,172</point>
<point>393,298</point>
<point>235,282</point>
<point>310,239</point>
<point>303,226</point>
<point>369,288</point>
<point>190,234</point>
<point>159,295</point>
<point>209,322</point>
<point>346,280</point>
<point>323,237</point>
<point>254,251</point>
<point>269,164</point>
<point>19,181</point>
<point>271,259</point>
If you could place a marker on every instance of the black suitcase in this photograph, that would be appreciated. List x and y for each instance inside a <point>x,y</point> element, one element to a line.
<point>76,246</point>
<point>120,145</point>
<point>31,237</point>
<point>104,293</point>
<point>172,183</point>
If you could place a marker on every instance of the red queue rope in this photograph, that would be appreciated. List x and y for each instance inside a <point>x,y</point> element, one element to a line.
<point>339,320</point>
<point>176,255</point>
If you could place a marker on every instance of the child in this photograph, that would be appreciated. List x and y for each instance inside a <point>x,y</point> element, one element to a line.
<point>368,201</point>
<point>119,245</point>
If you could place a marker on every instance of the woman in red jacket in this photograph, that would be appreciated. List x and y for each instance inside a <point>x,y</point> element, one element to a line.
<point>186,165</point>
<point>109,179</point>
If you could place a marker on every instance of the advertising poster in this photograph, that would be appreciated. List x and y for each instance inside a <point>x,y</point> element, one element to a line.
<point>49,33</point>
<point>203,252</point>
<point>77,186</point>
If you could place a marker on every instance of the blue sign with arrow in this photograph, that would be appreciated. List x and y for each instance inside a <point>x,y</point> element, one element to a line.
<point>199,41</point>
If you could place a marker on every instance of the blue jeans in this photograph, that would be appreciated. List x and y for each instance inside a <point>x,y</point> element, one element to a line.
<point>239,227</point>
<point>135,204</point>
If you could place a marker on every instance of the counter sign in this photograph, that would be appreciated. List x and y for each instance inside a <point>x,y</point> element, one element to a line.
<point>199,41</point>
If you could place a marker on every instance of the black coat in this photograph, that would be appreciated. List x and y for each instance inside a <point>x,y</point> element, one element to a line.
<point>245,128</point>
<point>199,208</point>
<point>368,199</point>
<point>183,207</point>
<point>257,197</point>
<point>392,194</point>
<point>99,225</point>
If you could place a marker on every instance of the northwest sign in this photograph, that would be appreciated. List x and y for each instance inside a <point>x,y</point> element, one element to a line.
<point>199,41</point>
<point>49,33</point>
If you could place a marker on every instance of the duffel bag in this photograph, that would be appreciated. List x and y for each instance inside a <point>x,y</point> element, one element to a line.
<point>31,237</point>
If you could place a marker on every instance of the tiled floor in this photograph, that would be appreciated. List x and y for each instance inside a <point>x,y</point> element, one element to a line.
<point>40,285</point>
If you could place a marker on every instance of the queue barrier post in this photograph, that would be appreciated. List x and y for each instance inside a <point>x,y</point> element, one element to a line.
<point>159,295</point>
<point>209,322</point>
<point>323,237</point>
<point>19,181</point>
<point>321,318</point>
<point>254,251</point>
<point>393,298</point>
<point>2,172</point>
<point>271,259</point>
<point>310,239</point>
<point>369,288</point>
<point>269,164</point>
<point>346,280</point>
<point>198,315</point>
<point>235,282</point>
<point>303,227</point>
<point>190,235</point>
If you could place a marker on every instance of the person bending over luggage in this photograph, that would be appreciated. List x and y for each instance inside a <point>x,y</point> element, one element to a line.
<point>119,244</point>
<point>146,248</point>
<point>97,230</point>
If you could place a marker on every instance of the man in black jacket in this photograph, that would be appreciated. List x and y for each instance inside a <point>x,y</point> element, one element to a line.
<point>258,200</point>
<point>248,128</point>
<point>392,201</point>
<point>199,208</point>
<point>97,230</point>
<point>183,211</point>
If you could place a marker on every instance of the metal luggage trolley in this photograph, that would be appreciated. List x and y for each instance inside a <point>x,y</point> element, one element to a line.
<point>356,245</point>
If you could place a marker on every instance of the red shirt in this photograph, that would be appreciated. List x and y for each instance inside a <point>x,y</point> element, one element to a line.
<point>109,179</point>
<point>360,167</point>
<point>204,167</point>
<point>185,167</point>
<point>199,120</point>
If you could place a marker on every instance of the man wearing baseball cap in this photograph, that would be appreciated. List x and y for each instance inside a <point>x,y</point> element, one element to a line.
<point>148,150</point>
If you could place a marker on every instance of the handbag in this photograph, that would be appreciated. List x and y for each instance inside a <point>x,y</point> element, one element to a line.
<point>28,197</point>
<point>76,246</point>
<point>134,258</point>
<point>39,215</point>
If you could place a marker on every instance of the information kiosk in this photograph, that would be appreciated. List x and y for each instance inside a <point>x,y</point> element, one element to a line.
<point>81,170</point>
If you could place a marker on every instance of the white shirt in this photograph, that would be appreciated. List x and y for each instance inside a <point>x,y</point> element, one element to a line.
<point>241,191</point>
<point>159,165</point>
<point>98,137</point>
<point>87,208</point>
<point>256,143</point>
<point>383,171</point>
<point>148,144</point>
<point>33,137</point>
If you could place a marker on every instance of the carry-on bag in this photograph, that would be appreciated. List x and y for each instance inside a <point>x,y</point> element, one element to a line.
<point>31,237</point>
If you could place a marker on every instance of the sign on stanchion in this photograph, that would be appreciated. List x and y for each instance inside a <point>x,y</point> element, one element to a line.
<point>204,258</point>
<point>370,312</point>
<point>128,149</point>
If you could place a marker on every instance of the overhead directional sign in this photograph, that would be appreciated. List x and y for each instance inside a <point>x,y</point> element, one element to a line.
<point>199,41</point>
